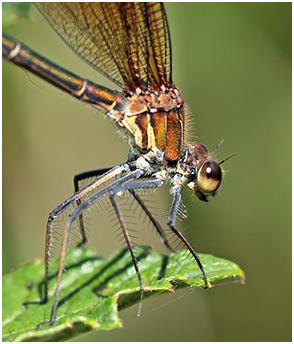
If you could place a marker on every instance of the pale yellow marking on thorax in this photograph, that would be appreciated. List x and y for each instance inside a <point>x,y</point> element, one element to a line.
<point>150,133</point>
<point>129,123</point>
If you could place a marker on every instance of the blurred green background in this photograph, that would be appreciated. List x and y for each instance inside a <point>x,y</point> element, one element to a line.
<point>232,62</point>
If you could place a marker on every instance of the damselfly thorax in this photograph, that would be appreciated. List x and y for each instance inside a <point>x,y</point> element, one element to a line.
<point>155,122</point>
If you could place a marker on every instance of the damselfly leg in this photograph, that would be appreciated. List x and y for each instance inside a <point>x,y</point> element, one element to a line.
<point>125,183</point>
<point>96,173</point>
<point>172,223</point>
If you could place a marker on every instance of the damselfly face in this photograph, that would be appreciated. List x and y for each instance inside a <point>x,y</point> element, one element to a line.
<point>208,174</point>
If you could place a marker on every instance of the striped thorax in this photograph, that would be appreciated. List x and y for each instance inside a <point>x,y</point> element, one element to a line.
<point>156,123</point>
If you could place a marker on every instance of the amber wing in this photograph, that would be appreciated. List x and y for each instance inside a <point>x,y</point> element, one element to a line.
<point>127,42</point>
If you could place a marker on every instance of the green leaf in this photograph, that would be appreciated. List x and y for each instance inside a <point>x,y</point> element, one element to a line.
<point>94,290</point>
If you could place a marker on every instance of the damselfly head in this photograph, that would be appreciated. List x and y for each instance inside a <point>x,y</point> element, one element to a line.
<point>208,174</point>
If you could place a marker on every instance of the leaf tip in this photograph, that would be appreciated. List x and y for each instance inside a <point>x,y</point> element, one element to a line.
<point>242,277</point>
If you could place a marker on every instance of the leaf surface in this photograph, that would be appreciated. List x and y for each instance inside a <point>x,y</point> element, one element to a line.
<point>94,290</point>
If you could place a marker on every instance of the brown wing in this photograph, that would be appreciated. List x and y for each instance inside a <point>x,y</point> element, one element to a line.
<point>127,42</point>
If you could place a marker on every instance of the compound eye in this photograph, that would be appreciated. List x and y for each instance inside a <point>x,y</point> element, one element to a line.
<point>209,177</point>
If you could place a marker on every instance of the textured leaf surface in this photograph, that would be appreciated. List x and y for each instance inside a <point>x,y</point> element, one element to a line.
<point>95,289</point>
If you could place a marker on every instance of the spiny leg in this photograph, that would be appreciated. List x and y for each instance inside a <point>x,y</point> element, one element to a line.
<point>119,185</point>
<point>61,268</point>
<point>155,223</point>
<point>127,237</point>
<point>171,223</point>
<point>130,187</point>
<point>44,299</point>
<point>77,179</point>
<point>109,173</point>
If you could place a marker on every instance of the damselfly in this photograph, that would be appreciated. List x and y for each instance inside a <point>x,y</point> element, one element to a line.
<point>130,44</point>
